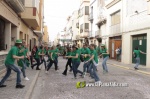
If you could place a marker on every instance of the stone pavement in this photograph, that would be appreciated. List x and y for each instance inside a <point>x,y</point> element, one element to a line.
<point>10,92</point>
<point>56,86</point>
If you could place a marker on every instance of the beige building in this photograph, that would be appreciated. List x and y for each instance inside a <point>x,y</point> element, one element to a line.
<point>18,20</point>
<point>46,35</point>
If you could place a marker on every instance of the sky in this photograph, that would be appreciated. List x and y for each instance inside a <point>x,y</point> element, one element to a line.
<point>56,13</point>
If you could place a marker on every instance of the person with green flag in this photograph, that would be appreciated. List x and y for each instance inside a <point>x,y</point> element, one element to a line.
<point>10,64</point>
<point>23,63</point>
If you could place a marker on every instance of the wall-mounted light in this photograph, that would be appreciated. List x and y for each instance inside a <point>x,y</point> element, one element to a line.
<point>136,12</point>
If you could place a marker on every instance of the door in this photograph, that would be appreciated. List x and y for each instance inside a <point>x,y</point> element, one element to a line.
<point>141,42</point>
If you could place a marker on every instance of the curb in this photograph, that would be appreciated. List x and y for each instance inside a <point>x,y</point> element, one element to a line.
<point>31,88</point>
<point>127,68</point>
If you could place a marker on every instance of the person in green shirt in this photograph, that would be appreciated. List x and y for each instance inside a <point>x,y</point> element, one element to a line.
<point>43,53</point>
<point>10,65</point>
<point>37,58</point>
<point>75,61</point>
<point>105,54</point>
<point>69,52</point>
<point>52,54</point>
<point>86,55</point>
<point>23,63</point>
<point>94,62</point>
<point>137,52</point>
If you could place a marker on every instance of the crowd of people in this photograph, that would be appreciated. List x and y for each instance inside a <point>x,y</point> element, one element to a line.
<point>89,54</point>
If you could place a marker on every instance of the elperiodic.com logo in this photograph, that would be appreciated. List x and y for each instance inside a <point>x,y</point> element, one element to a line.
<point>100,84</point>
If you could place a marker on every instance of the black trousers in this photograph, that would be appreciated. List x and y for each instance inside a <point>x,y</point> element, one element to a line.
<point>43,60</point>
<point>51,63</point>
<point>68,63</point>
<point>37,63</point>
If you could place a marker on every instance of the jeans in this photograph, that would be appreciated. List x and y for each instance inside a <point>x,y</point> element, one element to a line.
<point>86,65</point>
<point>37,63</point>
<point>23,68</point>
<point>104,64</point>
<point>8,72</point>
<point>93,72</point>
<point>75,65</point>
<point>68,63</point>
<point>56,59</point>
<point>51,63</point>
<point>43,60</point>
<point>137,62</point>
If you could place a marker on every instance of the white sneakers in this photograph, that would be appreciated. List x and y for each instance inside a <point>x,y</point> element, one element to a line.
<point>46,72</point>
<point>26,78</point>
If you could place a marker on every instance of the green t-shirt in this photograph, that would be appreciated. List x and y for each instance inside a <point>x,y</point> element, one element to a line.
<point>104,51</point>
<point>69,54</point>
<point>74,54</point>
<point>41,51</point>
<point>53,54</point>
<point>24,53</point>
<point>93,52</point>
<point>37,54</point>
<point>98,50</point>
<point>137,52</point>
<point>9,59</point>
<point>56,51</point>
<point>86,51</point>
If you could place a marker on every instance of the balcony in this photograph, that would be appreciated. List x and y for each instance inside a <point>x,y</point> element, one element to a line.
<point>77,37</point>
<point>115,29</point>
<point>84,35</point>
<point>77,25</point>
<point>90,17</point>
<point>17,5</point>
<point>91,34</point>
<point>31,17</point>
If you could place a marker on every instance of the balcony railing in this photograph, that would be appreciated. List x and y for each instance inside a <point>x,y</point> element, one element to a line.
<point>97,34</point>
<point>77,37</point>
<point>115,29</point>
<point>90,17</point>
<point>17,5</point>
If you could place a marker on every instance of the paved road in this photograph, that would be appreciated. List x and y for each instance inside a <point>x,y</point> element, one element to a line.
<point>56,86</point>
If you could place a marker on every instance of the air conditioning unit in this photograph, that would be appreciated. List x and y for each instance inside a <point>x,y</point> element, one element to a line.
<point>17,5</point>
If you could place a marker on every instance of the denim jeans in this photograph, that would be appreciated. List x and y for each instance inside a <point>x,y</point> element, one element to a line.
<point>86,65</point>
<point>90,69</point>
<point>75,65</point>
<point>93,72</point>
<point>23,68</point>
<point>137,62</point>
<point>68,63</point>
<point>104,64</point>
<point>8,72</point>
<point>56,59</point>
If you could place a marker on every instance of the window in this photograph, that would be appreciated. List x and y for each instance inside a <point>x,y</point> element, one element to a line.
<point>81,28</point>
<point>86,27</point>
<point>2,34</point>
<point>86,10</point>
<point>115,18</point>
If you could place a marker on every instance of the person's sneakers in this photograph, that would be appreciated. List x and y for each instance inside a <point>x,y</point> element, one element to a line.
<point>136,68</point>
<point>32,67</point>
<point>70,70</point>
<point>46,72</point>
<point>84,74</point>
<point>64,74</point>
<point>20,86</point>
<point>26,78</point>
<point>38,69</point>
<point>1,86</point>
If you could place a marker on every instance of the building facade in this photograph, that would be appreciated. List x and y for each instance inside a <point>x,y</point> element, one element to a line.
<point>46,35</point>
<point>18,20</point>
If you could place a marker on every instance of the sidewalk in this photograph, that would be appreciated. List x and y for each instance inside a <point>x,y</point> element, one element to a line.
<point>10,92</point>
<point>127,66</point>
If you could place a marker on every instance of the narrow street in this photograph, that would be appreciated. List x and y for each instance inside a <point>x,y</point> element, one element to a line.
<point>56,86</point>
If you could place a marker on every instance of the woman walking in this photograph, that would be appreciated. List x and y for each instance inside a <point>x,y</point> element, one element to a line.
<point>105,54</point>
<point>75,61</point>
<point>136,53</point>
<point>69,52</point>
